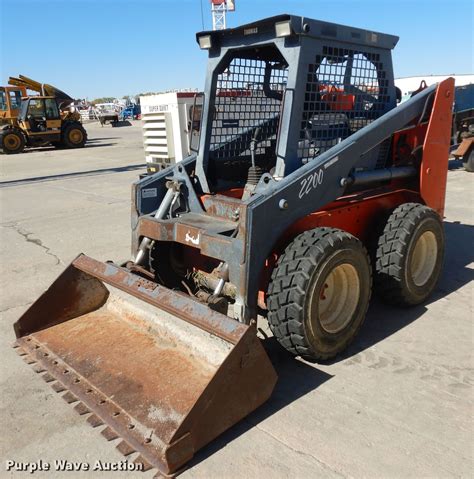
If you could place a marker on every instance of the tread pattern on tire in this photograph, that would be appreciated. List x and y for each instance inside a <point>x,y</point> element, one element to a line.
<point>6,131</point>
<point>393,248</point>
<point>289,282</point>
<point>64,135</point>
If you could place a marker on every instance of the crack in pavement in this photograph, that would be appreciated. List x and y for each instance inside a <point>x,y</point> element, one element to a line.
<point>91,196</point>
<point>15,306</point>
<point>36,241</point>
<point>297,451</point>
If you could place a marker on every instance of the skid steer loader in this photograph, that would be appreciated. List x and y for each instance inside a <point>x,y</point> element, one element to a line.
<point>307,183</point>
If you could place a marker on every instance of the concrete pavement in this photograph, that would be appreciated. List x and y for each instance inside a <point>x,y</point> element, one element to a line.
<point>398,404</point>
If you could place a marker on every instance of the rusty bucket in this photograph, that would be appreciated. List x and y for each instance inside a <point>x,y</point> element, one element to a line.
<point>150,365</point>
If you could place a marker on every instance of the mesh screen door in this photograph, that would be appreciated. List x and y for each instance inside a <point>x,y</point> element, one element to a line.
<point>248,103</point>
<point>345,91</point>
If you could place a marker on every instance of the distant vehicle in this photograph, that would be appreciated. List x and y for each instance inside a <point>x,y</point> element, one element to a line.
<point>108,112</point>
<point>463,125</point>
<point>132,111</point>
<point>40,123</point>
<point>49,118</point>
<point>463,111</point>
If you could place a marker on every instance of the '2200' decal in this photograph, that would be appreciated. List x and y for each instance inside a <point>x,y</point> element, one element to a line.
<point>311,182</point>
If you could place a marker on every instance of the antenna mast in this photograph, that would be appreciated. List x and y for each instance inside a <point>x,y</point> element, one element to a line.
<point>219,9</point>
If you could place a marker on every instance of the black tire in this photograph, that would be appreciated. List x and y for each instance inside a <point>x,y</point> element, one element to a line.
<point>165,262</point>
<point>12,141</point>
<point>468,161</point>
<point>73,135</point>
<point>410,255</point>
<point>297,290</point>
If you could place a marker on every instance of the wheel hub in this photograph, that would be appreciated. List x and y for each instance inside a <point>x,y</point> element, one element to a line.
<point>12,141</point>
<point>423,259</point>
<point>338,298</point>
<point>75,135</point>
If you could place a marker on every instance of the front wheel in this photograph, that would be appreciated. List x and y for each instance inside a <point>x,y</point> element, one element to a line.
<point>319,293</point>
<point>12,141</point>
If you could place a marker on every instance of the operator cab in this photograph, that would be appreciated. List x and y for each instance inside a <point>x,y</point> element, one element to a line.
<point>10,102</point>
<point>40,116</point>
<point>297,91</point>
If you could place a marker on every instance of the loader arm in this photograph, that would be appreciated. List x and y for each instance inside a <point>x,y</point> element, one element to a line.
<point>44,89</point>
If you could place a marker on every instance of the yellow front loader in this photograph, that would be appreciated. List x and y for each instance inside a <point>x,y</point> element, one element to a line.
<point>49,118</point>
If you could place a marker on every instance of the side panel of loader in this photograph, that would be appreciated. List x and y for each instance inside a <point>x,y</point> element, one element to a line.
<point>318,183</point>
<point>434,167</point>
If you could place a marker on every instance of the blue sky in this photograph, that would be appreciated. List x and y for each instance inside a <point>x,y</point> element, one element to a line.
<point>119,47</point>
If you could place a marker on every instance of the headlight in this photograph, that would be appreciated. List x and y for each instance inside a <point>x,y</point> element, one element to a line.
<point>205,42</point>
<point>283,29</point>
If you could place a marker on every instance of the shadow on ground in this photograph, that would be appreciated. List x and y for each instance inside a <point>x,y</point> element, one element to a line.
<point>296,378</point>
<point>77,174</point>
<point>120,123</point>
<point>91,143</point>
<point>95,140</point>
<point>383,320</point>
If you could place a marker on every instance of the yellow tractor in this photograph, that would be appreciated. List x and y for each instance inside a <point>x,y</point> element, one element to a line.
<point>46,119</point>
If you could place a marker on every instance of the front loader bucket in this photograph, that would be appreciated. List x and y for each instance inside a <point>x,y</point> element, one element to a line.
<point>160,370</point>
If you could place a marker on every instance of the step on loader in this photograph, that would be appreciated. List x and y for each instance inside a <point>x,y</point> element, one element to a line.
<point>309,187</point>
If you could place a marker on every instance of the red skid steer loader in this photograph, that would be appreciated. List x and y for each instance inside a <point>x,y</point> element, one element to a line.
<point>309,188</point>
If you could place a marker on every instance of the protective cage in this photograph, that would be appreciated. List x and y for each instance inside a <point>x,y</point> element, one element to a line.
<point>298,96</point>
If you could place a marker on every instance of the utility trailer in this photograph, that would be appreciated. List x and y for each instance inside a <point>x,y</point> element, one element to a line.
<point>308,189</point>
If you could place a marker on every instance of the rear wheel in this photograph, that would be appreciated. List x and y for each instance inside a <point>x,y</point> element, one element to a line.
<point>319,293</point>
<point>409,255</point>
<point>74,136</point>
<point>12,141</point>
